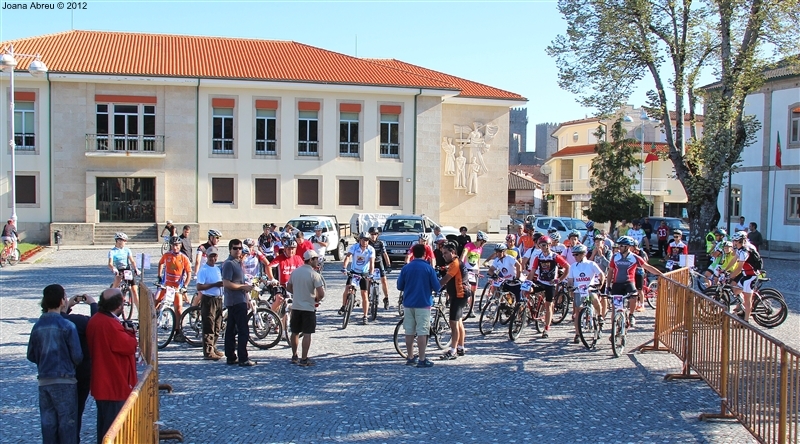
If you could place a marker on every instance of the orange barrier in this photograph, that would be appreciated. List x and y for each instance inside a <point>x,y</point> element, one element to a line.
<point>756,376</point>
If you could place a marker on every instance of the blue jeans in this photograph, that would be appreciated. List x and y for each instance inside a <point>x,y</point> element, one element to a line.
<point>58,406</point>
<point>237,322</point>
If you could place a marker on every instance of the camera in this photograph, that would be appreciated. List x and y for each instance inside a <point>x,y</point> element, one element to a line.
<point>129,325</point>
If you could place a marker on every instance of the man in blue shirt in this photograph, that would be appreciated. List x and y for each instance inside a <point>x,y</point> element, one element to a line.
<point>418,282</point>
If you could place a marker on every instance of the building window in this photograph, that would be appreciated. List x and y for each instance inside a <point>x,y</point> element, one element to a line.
<point>222,190</point>
<point>132,127</point>
<point>266,139</point>
<point>348,134</point>
<point>512,197</point>
<point>736,201</point>
<point>266,191</point>
<point>24,137</point>
<point>794,126</point>
<point>793,204</point>
<point>349,193</point>
<point>307,144</point>
<point>25,190</point>
<point>390,135</point>
<point>307,192</point>
<point>389,193</point>
<point>222,137</point>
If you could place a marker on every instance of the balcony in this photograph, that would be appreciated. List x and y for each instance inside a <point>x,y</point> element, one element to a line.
<point>110,145</point>
<point>650,187</point>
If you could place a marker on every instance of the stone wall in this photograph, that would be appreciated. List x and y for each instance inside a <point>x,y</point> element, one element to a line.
<point>73,233</point>
<point>429,196</point>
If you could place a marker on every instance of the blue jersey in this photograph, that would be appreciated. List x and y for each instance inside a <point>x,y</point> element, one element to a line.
<point>360,260</point>
<point>119,257</point>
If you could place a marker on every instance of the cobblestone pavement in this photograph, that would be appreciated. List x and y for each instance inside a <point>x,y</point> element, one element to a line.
<point>545,390</point>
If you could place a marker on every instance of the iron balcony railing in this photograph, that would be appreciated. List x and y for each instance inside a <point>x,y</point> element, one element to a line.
<point>107,143</point>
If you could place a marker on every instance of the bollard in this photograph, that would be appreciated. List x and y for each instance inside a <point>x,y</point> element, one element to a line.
<point>57,239</point>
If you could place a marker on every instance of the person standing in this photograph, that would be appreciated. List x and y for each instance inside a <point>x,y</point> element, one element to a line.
<point>418,282</point>
<point>56,350</point>
<point>186,242</point>
<point>238,303</point>
<point>303,244</point>
<point>662,232</point>
<point>741,226</point>
<point>112,347</point>
<point>382,262</point>
<point>267,240</point>
<point>209,283</point>
<point>754,236</point>
<point>320,242</point>
<point>307,287</point>
<point>648,230</point>
<point>458,289</point>
<point>83,373</point>
<point>462,239</point>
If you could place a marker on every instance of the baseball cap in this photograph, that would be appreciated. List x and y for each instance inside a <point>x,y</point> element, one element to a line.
<point>212,250</point>
<point>309,254</point>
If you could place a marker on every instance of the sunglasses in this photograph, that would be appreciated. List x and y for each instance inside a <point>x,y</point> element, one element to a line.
<point>577,254</point>
<point>236,248</point>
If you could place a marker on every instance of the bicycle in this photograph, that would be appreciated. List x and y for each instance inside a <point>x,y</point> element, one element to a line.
<point>619,325</point>
<point>439,329</point>
<point>561,303</point>
<point>352,300</point>
<point>497,309</point>
<point>523,312</point>
<point>651,293</point>
<point>588,322</point>
<point>374,293</point>
<point>10,255</point>
<point>769,307</point>
<point>165,246</point>
<point>166,326</point>
<point>125,285</point>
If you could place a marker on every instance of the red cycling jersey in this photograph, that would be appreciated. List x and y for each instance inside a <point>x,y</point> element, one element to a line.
<point>286,265</point>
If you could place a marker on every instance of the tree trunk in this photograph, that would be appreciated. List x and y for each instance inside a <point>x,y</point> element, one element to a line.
<point>703,217</point>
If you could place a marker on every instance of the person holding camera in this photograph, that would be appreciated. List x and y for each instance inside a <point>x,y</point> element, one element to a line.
<point>112,346</point>
<point>83,373</point>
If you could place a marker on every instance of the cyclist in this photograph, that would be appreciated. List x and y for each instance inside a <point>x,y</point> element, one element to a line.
<point>120,259</point>
<point>675,249</point>
<point>423,239</point>
<point>639,276</point>
<point>382,262</point>
<point>303,244</point>
<point>745,272</point>
<point>252,259</point>
<point>511,249</point>
<point>169,231</point>
<point>526,241</point>
<point>622,271</point>
<point>531,253</point>
<point>471,256</point>
<point>362,257</point>
<point>200,257</point>
<point>507,268</point>
<point>572,242</point>
<point>438,254</point>
<point>175,270</point>
<point>267,240</point>
<point>458,293</point>
<point>319,241</point>
<point>591,232</point>
<point>546,270</point>
<point>720,237</point>
<point>723,263</point>
<point>583,274</point>
<point>286,262</point>
<point>9,236</point>
<point>638,234</point>
<point>186,242</point>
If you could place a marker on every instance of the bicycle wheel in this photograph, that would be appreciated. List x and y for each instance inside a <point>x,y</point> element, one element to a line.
<point>538,320</point>
<point>770,311</point>
<point>13,258</point>
<point>618,335</point>
<point>127,298</point>
<point>373,303</point>
<point>400,309</point>
<point>560,307</point>
<point>467,311</point>
<point>588,328</point>
<point>484,297</point>
<point>517,321</point>
<point>266,328</point>
<point>348,308</point>
<point>489,316</point>
<point>164,247</point>
<point>651,295</point>
<point>440,330</point>
<point>399,339</point>
<point>192,326</point>
<point>165,327</point>
<point>771,292</point>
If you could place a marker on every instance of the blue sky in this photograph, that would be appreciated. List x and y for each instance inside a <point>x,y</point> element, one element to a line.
<point>501,44</point>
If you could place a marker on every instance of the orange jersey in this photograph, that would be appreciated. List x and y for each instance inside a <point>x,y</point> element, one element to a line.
<point>176,264</point>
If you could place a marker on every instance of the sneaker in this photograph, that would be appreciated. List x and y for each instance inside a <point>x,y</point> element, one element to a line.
<point>307,363</point>
<point>295,359</point>
<point>576,339</point>
<point>426,363</point>
<point>545,334</point>
<point>632,320</point>
<point>460,352</point>
<point>640,307</point>
<point>364,321</point>
<point>412,361</point>
<point>385,303</point>
<point>341,311</point>
<point>248,363</point>
<point>449,356</point>
<point>234,362</point>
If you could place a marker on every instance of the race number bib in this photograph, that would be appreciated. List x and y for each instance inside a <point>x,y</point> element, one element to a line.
<point>127,275</point>
<point>526,286</point>
<point>583,290</point>
<point>619,302</point>
<point>171,292</point>
<point>355,280</point>
<point>497,283</point>
<point>471,277</point>
<point>669,264</point>
<point>376,275</point>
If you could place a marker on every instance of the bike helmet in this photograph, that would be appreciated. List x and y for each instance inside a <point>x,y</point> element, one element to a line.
<point>599,237</point>
<point>169,222</point>
<point>481,236</point>
<point>423,237</point>
<point>245,249</point>
<point>174,240</point>
<point>589,225</point>
<point>290,244</point>
<point>555,236</point>
<point>318,228</point>
<point>543,240</point>
<point>727,244</point>
<point>500,247</point>
<point>677,232</point>
<point>740,236</point>
<point>214,233</point>
<point>574,233</point>
<point>625,241</point>
<point>120,236</point>
<point>579,249</point>
<point>249,242</point>
<point>720,232</point>
<point>551,230</point>
<point>511,237</point>
<point>364,235</point>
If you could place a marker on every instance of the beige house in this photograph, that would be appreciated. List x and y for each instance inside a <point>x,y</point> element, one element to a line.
<point>569,169</point>
<point>156,127</point>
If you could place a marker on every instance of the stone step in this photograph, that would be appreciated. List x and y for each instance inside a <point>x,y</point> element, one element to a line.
<point>104,233</point>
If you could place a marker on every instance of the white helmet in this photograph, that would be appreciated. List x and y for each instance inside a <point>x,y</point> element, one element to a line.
<point>423,236</point>
<point>481,236</point>
<point>120,236</point>
<point>214,233</point>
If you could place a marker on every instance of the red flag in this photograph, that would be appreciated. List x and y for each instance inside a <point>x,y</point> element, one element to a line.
<point>778,152</point>
<point>651,156</point>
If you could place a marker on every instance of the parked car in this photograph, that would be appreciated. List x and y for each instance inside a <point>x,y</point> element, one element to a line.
<point>337,233</point>
<point>673,223</point>
<point>402,230</point>
<point>563,224</point>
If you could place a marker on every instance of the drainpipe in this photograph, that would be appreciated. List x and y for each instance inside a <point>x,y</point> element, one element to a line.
<point>414,172</point>
<point>50,141</point>
<point>197,154</point>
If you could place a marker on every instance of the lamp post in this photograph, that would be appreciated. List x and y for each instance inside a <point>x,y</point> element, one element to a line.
<point>37,68</point>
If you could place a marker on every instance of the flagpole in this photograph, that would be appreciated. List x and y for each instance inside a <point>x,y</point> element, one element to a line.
<point>778,164</point>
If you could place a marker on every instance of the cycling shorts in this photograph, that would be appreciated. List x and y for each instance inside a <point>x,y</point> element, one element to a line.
<point>457,308</point>
<point>638,281</point>
<point>622,288</point>
<point>549,291</point>
<point>746,282</point>
<point>362,284</point>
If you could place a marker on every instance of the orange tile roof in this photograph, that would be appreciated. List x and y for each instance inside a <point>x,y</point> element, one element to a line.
<point>162,55</point>
<point>578,150</point>
<point>468,88</point>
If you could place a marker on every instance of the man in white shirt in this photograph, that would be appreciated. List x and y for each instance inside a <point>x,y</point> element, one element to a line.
<point>741,226</point>
<point>209,282</point>
<point>637,233</point>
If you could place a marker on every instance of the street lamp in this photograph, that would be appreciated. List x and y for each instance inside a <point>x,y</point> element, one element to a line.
<point>37,68</point>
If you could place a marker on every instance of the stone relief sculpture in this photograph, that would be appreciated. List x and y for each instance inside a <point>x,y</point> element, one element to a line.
<point>450,158</point>
<point>461,171</point>
<point>476,138</point>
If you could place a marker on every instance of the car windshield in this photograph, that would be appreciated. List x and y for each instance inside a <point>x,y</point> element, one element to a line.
<point>574,224</point>
<point>306,226</point>
<point>677,224</point>
<point>403,226</point>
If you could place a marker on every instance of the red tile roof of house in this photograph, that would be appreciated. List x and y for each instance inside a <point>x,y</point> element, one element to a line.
<point>518,181</point>
<point>579,150</point>
<point>468,88</point>
<point>162,55</point>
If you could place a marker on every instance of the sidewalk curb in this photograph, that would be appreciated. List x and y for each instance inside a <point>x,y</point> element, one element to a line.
<point>41,254</point>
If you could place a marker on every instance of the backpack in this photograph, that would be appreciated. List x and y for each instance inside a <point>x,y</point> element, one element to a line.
<point>755,259</point>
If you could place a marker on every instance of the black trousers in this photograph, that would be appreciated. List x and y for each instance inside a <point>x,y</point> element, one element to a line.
<point>83,394</point>
<point>237,326</point>
<point>107,412</point>
<point>211,312</point>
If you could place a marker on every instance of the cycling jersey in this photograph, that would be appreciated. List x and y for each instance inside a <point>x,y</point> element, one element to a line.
<point>319,249</point>
<point>119,257</point>
<point>286,265</point>
<point>637,235</point>
<point>429,256</point>
<point>723,262</point>
<point>304,246</point>
<point>749,267</point>
<point>176,265</point>
<point>527,242</point>
<point>546,267</point>
<point>505,267</point>
<point>458,279</point>
<point>380,249</point>
<point>623,268</point>
<point>558,248</point>
<point>251,262</point>
<point>266,242</point>
<point>675,249</point>
<point>584,274</point>
<point>361,257</point>
<point>201,249</point>
<point>514,252</point>
<point>568,255</point>
<point>473,255</point>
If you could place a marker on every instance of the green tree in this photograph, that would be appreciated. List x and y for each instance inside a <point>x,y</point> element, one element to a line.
<point>611,44</point>
<point>613,197</point>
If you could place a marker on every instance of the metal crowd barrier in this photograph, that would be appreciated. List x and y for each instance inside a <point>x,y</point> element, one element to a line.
<point>756,376</point>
